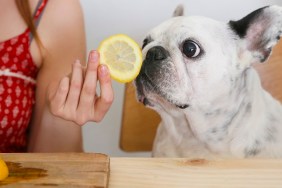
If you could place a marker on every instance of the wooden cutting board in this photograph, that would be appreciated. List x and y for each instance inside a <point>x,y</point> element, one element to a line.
<point>56,170</point>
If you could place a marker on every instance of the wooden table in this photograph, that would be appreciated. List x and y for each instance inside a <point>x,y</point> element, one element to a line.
<point>97,170</point>
<point>27,170</point>
<point>176,173</point>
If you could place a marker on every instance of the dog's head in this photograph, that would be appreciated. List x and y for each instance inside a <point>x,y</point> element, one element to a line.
<point>190,60</point>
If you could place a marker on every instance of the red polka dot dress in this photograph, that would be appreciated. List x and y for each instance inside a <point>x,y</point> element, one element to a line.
<point>17,89</point>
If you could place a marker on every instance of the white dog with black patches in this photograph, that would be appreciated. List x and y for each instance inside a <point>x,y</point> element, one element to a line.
<point>197,74</point>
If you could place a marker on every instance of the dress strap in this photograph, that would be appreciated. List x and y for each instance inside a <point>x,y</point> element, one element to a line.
<point>38,14</point>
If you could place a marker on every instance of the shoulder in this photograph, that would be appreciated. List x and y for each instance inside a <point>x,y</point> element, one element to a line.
<point>63,14</point>
<point>64,10</point>
<point>62,24</point>
<point>56,8</point>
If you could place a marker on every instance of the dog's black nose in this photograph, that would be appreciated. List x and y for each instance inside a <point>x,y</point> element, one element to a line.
<point>152,64</point>
<point>156,53</point>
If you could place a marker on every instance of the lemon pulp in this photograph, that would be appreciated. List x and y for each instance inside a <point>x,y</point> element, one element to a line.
<point>123,57</point>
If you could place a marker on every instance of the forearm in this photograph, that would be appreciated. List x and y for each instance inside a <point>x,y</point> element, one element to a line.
<point>53,134</point>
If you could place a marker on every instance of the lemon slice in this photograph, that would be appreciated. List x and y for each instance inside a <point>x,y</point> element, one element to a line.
<point>123,57</point>
<point>3,170</point>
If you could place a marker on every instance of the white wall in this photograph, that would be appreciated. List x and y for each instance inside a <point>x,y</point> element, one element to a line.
<point>135,18</point>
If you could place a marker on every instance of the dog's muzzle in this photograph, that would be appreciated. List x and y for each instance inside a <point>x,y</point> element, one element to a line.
<point>151,63</point>
<point>151,75</point>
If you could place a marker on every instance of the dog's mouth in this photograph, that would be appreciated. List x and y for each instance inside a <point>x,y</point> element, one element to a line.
<point>142,98</point>
<point>144,87</point>
<point>141,93</point>
<point>184,106</point>
<point>147,102</point>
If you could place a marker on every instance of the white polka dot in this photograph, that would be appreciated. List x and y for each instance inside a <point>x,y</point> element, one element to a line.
<point>9,131</point>
<point>14,41</point>
<point>5,58</point>
<point>7,111</point>
<point>9,82</point>
<point>8,101</point>
<point>4,122</point>
<point>9,49</point>
<point>2,45</point>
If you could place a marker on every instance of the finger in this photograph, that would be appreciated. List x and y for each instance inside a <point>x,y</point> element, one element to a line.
<point>103,103</point>
<point>87,95</point>
<point>75,87</point>
<point>57,101</point>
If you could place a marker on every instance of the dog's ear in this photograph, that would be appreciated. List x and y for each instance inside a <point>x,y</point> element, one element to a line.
<point>179,11</point>
<point>260,31</point>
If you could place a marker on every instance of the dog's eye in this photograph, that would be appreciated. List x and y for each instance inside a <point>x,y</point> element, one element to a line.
<point>191,49</point>
<point>146,41</point>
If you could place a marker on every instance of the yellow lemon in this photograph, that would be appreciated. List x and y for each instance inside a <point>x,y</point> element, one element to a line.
<point>3,170</point>
<point>123,57</point>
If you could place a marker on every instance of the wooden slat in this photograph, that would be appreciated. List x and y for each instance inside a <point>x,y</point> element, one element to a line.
<point>182,173</point>
<point>139,124</point>
<point>56,170</point>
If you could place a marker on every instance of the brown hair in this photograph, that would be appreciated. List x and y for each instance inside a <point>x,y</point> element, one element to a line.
<point>25,11</point>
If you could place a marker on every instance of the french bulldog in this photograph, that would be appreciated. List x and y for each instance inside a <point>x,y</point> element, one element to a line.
<point>197,74</point>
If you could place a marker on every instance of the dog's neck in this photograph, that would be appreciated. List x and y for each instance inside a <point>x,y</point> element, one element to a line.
<point>242,110</point>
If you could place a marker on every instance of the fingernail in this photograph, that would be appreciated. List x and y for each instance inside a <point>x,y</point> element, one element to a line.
<point>94,55</point>
<point>77,62</point>
<point>103,70</point>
